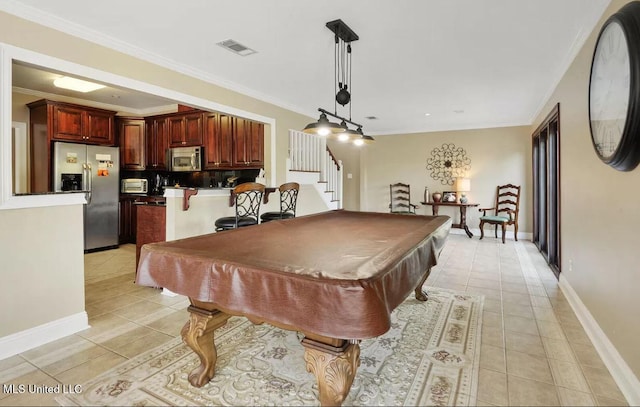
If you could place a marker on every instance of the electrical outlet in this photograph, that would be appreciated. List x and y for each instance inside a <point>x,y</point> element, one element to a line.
<point>570,265</point>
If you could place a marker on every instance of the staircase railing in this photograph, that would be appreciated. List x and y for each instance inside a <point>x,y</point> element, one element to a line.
<point>310,153</point>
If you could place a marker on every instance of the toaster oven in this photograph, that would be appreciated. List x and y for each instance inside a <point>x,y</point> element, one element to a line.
<point>134,186</point>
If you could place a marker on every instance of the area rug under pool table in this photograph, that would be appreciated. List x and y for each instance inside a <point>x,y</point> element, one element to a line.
<point>430,356</point>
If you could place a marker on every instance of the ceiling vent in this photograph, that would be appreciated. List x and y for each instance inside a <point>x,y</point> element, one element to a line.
<point>236,47</point>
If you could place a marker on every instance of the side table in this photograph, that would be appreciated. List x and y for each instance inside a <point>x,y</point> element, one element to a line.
<point>463,213</point>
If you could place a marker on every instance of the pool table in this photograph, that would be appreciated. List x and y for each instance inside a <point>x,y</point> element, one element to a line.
<point>335,277</point>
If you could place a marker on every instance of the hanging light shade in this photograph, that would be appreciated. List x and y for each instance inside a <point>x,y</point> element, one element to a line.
<point>368,139</point>
<point>347,135</point>
<point>362,139</point>
<point>323,127</point>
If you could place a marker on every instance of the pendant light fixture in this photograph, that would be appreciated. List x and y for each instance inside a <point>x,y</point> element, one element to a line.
<point>342,86</point>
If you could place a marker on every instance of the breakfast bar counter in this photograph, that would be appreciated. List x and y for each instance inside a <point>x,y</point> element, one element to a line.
<point>193,211</point>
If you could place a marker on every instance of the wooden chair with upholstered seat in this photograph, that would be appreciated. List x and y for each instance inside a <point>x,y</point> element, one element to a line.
<point>248,197</point>
<point>288,200</point>
<point>400,196</point>
<point>505,211</point>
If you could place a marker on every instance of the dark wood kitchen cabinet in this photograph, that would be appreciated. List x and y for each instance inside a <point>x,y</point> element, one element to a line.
<point>157,142</point>
<point>127,230</point>
<point>185,130</point>
<point>129,205</point>
<point>131,137</point>
<point>248,143</point>
<point>218,141</point>
<point>75,123</point>
<point>100,127</point>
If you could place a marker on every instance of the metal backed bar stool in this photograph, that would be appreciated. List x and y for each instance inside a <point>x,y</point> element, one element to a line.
<point>248,197</point>
<point>288,199</point>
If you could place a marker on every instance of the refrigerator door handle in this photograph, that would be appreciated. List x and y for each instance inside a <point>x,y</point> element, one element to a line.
<point>84,177</point>
<point>89,182</point>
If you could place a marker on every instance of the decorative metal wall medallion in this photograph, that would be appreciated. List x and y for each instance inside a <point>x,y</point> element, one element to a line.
<point>448,162</point>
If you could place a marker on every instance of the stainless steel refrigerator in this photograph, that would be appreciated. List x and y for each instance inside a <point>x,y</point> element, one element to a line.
<point>94,169</point>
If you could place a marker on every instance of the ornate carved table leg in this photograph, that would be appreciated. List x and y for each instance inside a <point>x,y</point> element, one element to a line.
<point>198,334</point>
<point>421,295</point>
<point>334,365</point>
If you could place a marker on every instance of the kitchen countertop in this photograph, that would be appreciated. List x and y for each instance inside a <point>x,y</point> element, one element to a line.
<point>163,204</point>
<point>51,193</point>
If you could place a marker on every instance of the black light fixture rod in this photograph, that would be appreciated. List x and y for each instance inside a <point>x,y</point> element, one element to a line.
<point>338,117</point>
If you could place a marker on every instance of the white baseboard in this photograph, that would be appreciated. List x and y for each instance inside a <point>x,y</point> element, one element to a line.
<point>621,372</point>
<point>37,336</point>
<point>489,233</point>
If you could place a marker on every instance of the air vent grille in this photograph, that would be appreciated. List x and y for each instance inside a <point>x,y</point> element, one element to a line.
<point>236,47</point>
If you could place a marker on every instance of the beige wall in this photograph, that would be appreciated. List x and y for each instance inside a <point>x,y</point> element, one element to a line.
<point>599,215</point>
<point>498,156</point>
<point>42,273</point>
<point>350,157</point>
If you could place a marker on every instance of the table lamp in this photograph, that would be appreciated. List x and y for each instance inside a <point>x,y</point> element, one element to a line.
<point>462,185</point>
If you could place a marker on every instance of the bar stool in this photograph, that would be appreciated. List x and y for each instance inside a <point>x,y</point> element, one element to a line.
<point>248,197</point>
<point>288,199</point>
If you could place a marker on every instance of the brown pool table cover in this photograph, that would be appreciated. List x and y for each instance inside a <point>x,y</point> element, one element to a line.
<point>337,273</point>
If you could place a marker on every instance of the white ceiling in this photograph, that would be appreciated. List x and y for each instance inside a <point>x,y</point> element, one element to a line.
<point>469,63</point>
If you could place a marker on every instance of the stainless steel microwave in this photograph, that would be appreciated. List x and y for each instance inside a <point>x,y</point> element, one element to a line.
<point>186,159</point>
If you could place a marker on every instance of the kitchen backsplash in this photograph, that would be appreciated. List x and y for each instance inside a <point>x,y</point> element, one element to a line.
<point>200,179</point>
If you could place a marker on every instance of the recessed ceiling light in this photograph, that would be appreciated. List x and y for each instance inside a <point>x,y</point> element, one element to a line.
<point>427,114</point>
<point>236,47</point>
<point>78,85</point>
<point>458,111</point>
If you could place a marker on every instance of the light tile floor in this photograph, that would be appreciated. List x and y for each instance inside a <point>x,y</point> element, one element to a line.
<point>533,352</point>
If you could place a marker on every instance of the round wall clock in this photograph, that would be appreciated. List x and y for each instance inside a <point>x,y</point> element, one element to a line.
<point>614,90</point>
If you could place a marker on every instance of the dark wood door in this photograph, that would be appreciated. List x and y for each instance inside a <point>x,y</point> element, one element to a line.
<point>67,124</point>
<point>185,130</point>
<point>256,144</point>
<point>240,140</point>
<point>218,141</point>
<point>99,128</point>
<point>157,142</point>
<point>131,134</point>
<point>248,143</point>
<point>225,141</point>
<point>546,189</point>
<point>193,129</point>
<point>127,233</point>
<point>176,131</point>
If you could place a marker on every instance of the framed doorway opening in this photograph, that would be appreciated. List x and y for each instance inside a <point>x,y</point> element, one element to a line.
<point>546,189</point>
